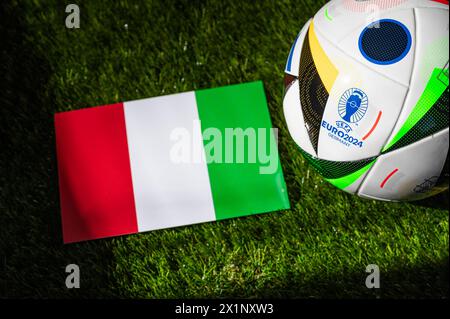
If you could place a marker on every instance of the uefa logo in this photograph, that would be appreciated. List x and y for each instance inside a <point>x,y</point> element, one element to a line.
<point>353,105</point>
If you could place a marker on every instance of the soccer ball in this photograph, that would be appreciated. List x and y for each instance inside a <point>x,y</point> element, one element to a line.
<point>366,96</point>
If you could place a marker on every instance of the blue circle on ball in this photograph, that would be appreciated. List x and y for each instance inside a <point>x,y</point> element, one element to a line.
<point>385,42</point>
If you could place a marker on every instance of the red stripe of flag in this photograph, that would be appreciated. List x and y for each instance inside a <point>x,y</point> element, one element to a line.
<point>96,190</point>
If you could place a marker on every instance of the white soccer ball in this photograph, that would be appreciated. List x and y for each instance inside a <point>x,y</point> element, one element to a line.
<point>366,96</point>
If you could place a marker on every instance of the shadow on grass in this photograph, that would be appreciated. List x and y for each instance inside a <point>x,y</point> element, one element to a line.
<point>439,201</point>
<point>426,281</point>
<point>32,255</point>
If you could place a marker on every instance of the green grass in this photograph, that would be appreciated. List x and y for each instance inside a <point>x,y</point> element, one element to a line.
<point>319,248</point>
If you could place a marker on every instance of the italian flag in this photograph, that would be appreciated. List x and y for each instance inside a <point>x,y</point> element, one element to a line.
<point>146,164</point>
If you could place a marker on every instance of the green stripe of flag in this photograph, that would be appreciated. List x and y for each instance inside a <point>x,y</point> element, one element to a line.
<point>240,188</point>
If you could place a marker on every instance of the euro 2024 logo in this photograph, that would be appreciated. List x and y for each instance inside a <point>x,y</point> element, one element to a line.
<point>352,107</point>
